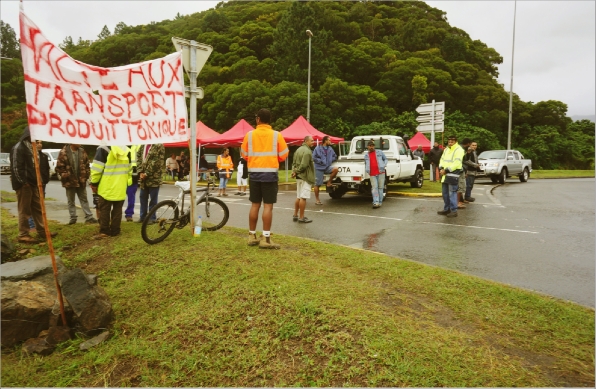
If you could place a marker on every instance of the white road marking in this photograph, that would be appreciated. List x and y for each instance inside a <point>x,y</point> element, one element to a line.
<point>407,220</point>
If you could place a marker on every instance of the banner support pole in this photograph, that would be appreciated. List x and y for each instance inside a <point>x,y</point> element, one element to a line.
<point>193,133</point>
<point>47,231</point>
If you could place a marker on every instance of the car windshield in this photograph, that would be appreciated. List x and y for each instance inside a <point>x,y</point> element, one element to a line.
<point>4,160</point>
<point>494,154</point>
<point>55,154</point>
<point>211,157</point>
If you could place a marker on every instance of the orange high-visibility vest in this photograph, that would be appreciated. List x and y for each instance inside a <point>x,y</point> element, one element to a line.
<point>224,163</point>
<point>263,150</point>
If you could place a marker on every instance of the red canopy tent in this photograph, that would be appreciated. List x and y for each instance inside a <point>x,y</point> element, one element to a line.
<point>298,130</point>
<point>231,138</point>
<point>203,133</point>
<point>420,139</point>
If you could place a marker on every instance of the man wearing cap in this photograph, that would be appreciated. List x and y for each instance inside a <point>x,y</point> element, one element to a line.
<point>450,168</point>
<point>375,162</point>
<point>303,169</point>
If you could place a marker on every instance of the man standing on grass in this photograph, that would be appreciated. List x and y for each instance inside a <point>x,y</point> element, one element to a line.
<point>263,148</point>
<point>323,156</point>
<point>150,166</point>
<point>72,167</point>
<point>24,182</point>
<point>303,169</point>
<point>434,156</point>
<point>110,176</point>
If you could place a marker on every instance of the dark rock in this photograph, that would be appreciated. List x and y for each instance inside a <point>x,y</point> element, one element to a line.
<point>37,346</point>
<point>7,247</point>
<point>90,303</point>
<point>26,307</point>
<point>58,334</point>
<point>94,341</point>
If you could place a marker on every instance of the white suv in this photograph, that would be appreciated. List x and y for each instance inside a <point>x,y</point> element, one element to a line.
<point>53,158</point>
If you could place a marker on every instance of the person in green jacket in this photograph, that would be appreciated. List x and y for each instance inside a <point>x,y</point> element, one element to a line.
<point>111,174</point>
<point>303,168</point>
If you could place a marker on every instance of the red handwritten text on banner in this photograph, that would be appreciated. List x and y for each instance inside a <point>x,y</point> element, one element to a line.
<point>72,102</point>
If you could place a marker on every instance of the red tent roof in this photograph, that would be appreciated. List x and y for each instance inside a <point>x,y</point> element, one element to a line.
<point>298,130</point>
<point>203,133</point>
<point>420,139</point>
<point>231,138</point>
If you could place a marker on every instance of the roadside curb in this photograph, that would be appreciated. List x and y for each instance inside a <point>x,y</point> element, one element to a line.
<point>407,194</point>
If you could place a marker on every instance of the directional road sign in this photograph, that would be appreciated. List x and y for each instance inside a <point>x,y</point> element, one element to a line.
<point>428,127</point>
<point>427,108</point>
<point>428,118</point>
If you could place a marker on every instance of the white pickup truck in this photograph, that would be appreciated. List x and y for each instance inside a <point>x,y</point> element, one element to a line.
<point>401,165</point>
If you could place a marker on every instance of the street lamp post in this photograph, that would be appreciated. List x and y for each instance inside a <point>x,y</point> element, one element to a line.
<point>511,83</point>
<point>309,33</point>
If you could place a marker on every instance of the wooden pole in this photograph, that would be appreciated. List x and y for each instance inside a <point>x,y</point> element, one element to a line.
<point>47,230</point>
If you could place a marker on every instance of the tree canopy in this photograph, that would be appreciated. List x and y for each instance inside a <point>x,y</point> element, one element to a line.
<point>372,64</point>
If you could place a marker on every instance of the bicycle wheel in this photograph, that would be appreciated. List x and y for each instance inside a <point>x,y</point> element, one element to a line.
<point>214,215</point>
<point>165,214</point>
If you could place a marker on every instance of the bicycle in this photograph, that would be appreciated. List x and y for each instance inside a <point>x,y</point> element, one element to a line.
<point>169,214</point>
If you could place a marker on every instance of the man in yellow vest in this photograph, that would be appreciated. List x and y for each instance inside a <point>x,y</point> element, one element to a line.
<point>450,168</point>
<point>111,174</point>
<point>263,148</point>
<point>131,190</point>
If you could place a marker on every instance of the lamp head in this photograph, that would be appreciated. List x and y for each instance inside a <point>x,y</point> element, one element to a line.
<point>309,33</point>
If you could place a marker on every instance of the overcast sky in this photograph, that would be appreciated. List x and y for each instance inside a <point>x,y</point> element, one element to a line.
<point>554,40</point>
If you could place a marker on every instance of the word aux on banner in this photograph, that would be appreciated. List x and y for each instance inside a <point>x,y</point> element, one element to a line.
<point>71,102</point>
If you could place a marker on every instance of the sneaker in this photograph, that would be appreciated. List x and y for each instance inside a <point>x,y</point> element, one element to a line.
<point>72,221</point>
<point>225,194</point>
<point>447,212</point>
<point>461,206</point>
<point>100,236</point>
<point>93,220</point>
<point>471,199</point>
<point>295,218</point>
<point>375,205</point>
<point>267,243</point>
<point>304,220</point>
<point>252,239</point>
<point>452,214</point>
<point>129,218</point>
<point>243,194</point>
<point>237,194</point>
<point>43,237</point>
<point>28,239</point>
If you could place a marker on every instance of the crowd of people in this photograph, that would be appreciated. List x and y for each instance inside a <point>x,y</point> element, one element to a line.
<point>117,172</point>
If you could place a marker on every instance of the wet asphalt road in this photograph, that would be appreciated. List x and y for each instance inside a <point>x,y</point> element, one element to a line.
<point>537,235</point>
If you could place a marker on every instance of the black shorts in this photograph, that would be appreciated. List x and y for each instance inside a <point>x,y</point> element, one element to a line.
<point>265,192</point>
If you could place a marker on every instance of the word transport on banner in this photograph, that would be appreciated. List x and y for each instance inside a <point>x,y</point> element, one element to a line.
<point>72,102</point>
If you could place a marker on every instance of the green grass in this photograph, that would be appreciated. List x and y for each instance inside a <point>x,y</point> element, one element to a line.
<point>211,311</point>
<point>561,173</point>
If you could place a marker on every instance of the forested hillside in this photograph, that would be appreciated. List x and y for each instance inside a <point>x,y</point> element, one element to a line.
<point>372,64</point>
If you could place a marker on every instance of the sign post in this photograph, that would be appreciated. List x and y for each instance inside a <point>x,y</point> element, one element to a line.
<point>431,120</point>
<point>194,57</point>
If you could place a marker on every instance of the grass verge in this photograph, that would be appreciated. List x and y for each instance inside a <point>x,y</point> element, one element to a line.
<point>562,173</point>
<point>211,311</point>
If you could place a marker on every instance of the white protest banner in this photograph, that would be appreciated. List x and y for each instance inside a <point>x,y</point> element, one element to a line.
<point>72,102</point>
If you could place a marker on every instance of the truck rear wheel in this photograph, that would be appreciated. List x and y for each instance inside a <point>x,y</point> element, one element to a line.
<point>525,175</point>
<point>494,179</point>
<point>418,179</point>
<point>336,191</point>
